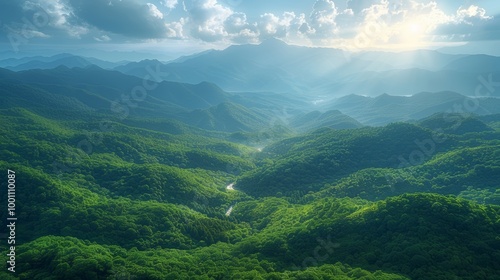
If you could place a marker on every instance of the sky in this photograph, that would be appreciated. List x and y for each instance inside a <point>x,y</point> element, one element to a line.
<point>183,27</point>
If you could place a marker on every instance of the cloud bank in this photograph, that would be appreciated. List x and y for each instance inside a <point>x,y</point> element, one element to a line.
<point>349,24</point>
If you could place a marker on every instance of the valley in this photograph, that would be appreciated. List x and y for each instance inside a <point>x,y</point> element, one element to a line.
<point>184,170</point>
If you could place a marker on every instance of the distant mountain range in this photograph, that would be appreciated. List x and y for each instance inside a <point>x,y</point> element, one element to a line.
<point>288,79</point>
<point>93,90</point>
<point>386,108</point>
<point>311,73</point>
<point>65,59</point>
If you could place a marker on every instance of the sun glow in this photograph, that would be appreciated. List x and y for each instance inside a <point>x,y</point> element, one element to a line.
<point>411,35</point>
<point>415,28</point>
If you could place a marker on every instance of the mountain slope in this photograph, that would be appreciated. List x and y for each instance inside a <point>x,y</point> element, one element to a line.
<point>423,59</point>
<point>468,172</point>
<point>404,82</point>
<point>228,117</point>
<point>475,63</point>
<point>67,60</point>
<point>455,123</point>
<point>70,62</point>
<point>99,88</point>
<point>270,66</point>
<point>305,163</point>
<point>409,234</point>
<point>332,119</point>
<point>385,108</point>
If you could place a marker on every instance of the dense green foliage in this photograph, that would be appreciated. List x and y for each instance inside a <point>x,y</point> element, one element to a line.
<point>414,235</point>
<point>228,117</point>
<point>70,258</point>
<point>470,172</point>
<point>147,197</point>
<point>307,162</point>
<point>455,123</point>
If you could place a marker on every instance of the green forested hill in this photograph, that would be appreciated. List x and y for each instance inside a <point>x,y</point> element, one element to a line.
<point>469,172</point>
<point>455,123</point>
<point>151,205</point>
<point>415,235</point>
<point>307,162</point>
<point>228,117</point>
<point>150,197</point>
<point>333,119</point>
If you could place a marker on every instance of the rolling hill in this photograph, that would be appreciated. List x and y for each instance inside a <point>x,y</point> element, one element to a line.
<point>227,117</point>
<point>315,120</point>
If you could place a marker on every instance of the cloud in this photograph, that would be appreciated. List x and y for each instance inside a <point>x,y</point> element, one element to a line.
<point>128,18</point>
<point>376,22</point>
<point>473,27</point>
<point>407,23</point>
<point>102,38</point>
<point>176,29</point>
<point>60,16</point>
<point>271,25</point>
<point>206,20</point>
<point>468,23</point>
<point>323,18</point>
<point>211,21</point>
<point>40,19</point>
<point>410,23</point>
<point>171,4</point>
<point>289,26</point>
<point>471,12</point>
<point>153,10</point>
<point>352,24</point>
<point>240,30</point>
<point>236,22</point>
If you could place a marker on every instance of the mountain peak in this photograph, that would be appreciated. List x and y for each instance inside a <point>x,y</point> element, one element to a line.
<point>273,42</point>
<point>93,67</point>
